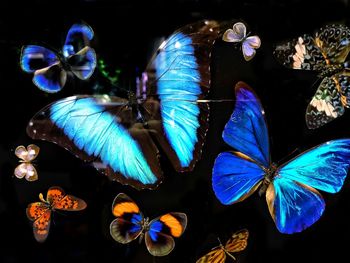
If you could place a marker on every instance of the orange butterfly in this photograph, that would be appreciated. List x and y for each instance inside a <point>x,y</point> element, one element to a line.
<point>40,212</point>
<point>236,243</point>
<point>26,168</point>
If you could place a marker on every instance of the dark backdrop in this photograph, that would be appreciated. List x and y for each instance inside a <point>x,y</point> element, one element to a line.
<point>125,32</point>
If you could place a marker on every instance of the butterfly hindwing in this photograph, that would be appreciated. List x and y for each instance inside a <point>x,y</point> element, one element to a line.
<point>180,75</point>
<point>159,238</point>
<point>238,241</point>
<point>216,255</point>
<point>40,214</point>
<point>249,46</point>
<point>102,130</point>
<point>26,170</point>
<point>83,63</point>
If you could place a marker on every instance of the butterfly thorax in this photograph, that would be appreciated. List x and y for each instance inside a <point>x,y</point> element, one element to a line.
<point>145,228</point>
<point>270,173</point>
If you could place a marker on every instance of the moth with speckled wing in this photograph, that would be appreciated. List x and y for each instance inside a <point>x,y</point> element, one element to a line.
<point>159,233</point>
<point>290,188</point>
<point>118,135</point>
<point>325,52</point>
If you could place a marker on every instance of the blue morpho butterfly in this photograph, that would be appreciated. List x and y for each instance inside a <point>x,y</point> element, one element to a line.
<point>50,68</point>
<point>119,135</point>
<point>292,199</point>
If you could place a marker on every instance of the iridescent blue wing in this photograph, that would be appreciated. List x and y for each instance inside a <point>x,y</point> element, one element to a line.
<point>78,37</point>
<point>81,58</point>
<point>246,130</point>
<point>159,238</point>
<point>128,223</point>
<point>292,199</point>
<point>49,75</point>
<point>235,177</point>
<point>179,76</point>
<point>102,130</point>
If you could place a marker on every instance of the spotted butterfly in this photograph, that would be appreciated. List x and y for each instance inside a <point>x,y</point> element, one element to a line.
<point>26,169</point>
<point>40,212</point>
<point>120,136</point>
<point>290,188</point>
<point>159,233</point>
<point>238,34</point>
<point>325,52</point>
<point>50,68</point>
<point>236,243</point>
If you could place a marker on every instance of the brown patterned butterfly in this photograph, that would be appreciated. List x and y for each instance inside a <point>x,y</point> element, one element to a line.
<point>26,169</point>
<point>325,52</point>
<point>236,243</point>
<point>40,212</point>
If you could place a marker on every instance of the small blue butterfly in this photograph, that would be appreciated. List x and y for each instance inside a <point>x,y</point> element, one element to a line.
<point>50,68</point>
<point>121,136</point>
<point>292,199</point>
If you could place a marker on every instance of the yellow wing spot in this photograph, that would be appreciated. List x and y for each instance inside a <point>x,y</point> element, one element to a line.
<point>174,224</point>
<point>125,207</point>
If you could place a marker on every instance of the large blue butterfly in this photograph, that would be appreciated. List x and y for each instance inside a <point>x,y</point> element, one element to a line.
<point>293,201</point>
<point>119,135</point>
<point>50,68</point>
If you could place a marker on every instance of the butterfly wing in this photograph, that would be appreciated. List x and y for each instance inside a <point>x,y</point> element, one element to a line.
<point>236,34</point>
<point>40,214</point>
<point>159,238</point>
<point>81,58</point>
<point>179,75</point>
<point>26,170</point>
<point>238,241</point>
<point>27,154</point>
<point>249,46</point>
<point>128,224</point>
<point>246,131</point>
<point>44,63</point>
<point>102,130</point>
<point>330,100</point>
<point>214,256</point>
<point>61,201</point>
<point>293,202</point>
<point>330,45</point>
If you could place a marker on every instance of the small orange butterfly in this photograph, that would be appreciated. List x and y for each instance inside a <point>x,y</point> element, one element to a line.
<point>40,212</point>
<point>26,168</point>
<point>236,243</point>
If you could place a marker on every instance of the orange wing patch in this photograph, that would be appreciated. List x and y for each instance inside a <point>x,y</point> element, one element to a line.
<point>125,207</point>
<point>41,226</point>
<point>55,194</point>
<point>70,203</point>
<point>36,210</point>
<point>173,223</point>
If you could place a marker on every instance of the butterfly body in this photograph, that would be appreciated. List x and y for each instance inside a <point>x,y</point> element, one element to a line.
<point>236,243</point>
<point>121,136</point>
<point>158,233</point>
<point>50,68</point>
<point>326,53</point>
<point>40,213</point>
<point>291,188</point>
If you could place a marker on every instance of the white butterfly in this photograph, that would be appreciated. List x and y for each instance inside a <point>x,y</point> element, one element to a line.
<point>239,35</point>
<point>26,168</point>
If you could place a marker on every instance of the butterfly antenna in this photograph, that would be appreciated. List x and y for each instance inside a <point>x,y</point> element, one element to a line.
<point>287,157</point>
<point>230,255</point>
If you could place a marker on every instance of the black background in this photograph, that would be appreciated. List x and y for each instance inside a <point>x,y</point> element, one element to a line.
<point>124,35</point>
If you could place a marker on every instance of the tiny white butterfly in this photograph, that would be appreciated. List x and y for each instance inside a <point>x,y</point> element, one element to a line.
<point>238,34</point>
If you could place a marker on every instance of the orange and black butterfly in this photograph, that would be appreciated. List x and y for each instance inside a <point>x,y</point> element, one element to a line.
<point>236,243</point>
<point>326,53</point>
<point>26,169</point>
<point>40,212</point>
<point>159,233</point>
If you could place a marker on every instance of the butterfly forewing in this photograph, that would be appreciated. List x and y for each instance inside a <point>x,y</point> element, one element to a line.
<point>217,255</point>
<point>238,241</point>
<point>103,130</point>
<point>179,75</point>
